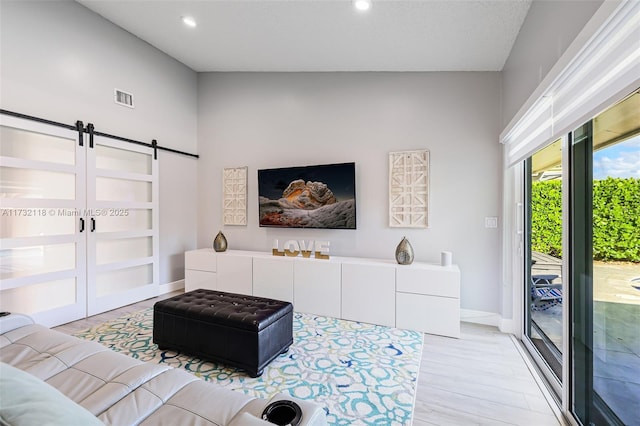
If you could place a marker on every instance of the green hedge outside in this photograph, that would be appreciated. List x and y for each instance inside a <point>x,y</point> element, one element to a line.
<point>616,219</point>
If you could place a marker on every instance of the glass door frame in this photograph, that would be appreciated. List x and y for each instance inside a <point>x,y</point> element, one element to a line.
<point>581,292</point>
<point>556,387</point>
<point>585,403</point>
<point>577,397</point>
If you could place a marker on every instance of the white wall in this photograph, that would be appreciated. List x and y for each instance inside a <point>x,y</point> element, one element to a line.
<point>545,40</point>
<point>60,61</point>
<point>549,28</point>
<point>264,120</point>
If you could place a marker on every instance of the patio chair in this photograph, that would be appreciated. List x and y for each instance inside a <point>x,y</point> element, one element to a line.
<point>544,292</point>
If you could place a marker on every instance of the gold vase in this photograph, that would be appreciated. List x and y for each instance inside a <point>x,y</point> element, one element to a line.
<point>220,242</point>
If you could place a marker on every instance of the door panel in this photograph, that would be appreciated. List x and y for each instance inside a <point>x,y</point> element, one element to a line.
<point>125,190</point>
<point>34,260</point>
<point>122,160</point>
<point>605,266</point>
<point>43,296</point>
<point>37,146</point>
<point>37,183</point>
<point>544,276</point>
<point>121,279</point>
<point>20,223</point>
<point>122,249</point>
<point>43,243</point>
<point>123,228</point>
<point>121,219</point>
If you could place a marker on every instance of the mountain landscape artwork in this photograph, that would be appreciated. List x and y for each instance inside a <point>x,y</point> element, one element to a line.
<point>321,196</point>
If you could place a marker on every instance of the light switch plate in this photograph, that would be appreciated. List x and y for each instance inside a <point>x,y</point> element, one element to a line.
<point>490,222</point>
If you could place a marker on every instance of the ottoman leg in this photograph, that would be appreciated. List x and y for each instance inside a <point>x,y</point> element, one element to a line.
<point>255,374</point>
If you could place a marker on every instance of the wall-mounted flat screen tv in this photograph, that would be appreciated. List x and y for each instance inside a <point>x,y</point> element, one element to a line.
<point>322,196</point>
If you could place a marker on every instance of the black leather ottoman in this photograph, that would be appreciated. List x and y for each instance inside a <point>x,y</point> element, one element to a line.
<point>247,332</point>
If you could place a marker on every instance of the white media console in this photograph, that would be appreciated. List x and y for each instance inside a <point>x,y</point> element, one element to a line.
<point>420,296</point>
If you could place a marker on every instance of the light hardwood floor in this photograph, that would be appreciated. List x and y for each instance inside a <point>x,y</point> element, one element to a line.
<point>479,379</point>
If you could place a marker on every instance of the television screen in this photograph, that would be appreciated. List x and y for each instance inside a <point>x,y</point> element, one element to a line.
<point>322,196</point>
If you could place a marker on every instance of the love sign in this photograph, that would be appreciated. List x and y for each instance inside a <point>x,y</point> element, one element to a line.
<point>293,248</point>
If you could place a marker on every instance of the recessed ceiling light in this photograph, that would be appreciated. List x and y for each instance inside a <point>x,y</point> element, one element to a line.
<point>362,5</point>
<point>189,21</point>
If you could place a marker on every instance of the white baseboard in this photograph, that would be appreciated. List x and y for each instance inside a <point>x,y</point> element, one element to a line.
<point>487,318</point>
<point>507,326</point>
<point>480,317</point>
<point>172,286</point>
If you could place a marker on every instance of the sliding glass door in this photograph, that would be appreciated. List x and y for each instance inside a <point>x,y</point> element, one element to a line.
<point>544,304</point>
<point>582,266</point>
<point>605,266</point>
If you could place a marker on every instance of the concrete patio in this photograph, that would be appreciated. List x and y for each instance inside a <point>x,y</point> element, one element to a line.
<point>616,330</point>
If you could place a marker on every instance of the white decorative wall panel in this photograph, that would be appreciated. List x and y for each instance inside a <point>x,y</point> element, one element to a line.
<point>409,189</point>
<point>234,198</point>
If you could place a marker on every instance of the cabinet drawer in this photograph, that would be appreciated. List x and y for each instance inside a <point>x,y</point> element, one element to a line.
<point>437,281</point>
<point>316,287</point>
<point>235,273</point>
<point>429,314</point>
<point>369,293</point>
<point>273,278</point>
<point>194,280</point>
<point>201,260</point>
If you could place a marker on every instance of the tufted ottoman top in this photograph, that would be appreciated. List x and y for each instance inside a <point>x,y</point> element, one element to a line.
<point>218,307</point>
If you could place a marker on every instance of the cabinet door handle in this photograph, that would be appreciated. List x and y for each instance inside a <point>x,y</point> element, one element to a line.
<point>93,224</point>
<point>81,225</point>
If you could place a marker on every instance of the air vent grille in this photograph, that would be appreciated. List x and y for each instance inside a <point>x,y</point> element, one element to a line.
<point>123,98</point>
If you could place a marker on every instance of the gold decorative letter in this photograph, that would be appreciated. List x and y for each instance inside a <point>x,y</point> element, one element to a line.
<point>319,255</point>
<point>291,248</point>
<point>322,246</point>
<point>276,249</point>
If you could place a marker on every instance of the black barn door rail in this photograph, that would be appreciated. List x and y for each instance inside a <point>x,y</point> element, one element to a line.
<point>78,126</point>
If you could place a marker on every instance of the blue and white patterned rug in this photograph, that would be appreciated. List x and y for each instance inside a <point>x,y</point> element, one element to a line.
<point>362,374</point>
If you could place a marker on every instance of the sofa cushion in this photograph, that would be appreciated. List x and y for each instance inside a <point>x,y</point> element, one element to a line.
<point>27,400</point>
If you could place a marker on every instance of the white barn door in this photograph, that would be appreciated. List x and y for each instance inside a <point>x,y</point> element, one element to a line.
<point>122,203</point>
<point>78,224</point>
<point>42,230</point>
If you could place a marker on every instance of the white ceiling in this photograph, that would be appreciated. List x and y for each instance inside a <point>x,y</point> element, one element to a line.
<point>325,35</point>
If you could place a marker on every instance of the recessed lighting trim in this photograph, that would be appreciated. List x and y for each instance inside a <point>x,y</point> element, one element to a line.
<point>189,21</point>
<point>362,5</point>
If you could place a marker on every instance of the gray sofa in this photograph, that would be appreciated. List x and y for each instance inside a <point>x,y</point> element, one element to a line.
<point>114,388</point>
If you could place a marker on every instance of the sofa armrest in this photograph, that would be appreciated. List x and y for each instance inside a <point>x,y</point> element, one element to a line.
<point>246,419</point>
<point>312,413</point>
<point>13,321</point>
